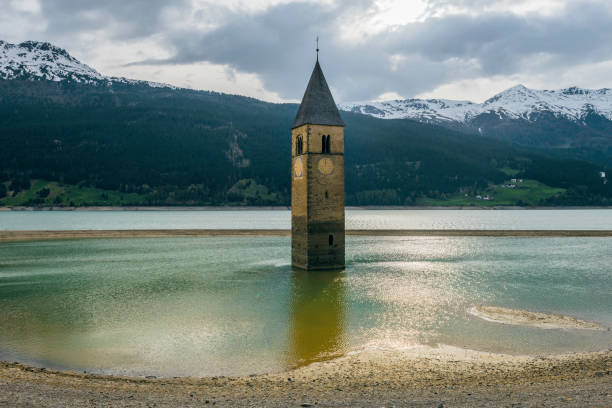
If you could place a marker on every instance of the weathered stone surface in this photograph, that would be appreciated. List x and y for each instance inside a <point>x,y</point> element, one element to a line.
<point>317,199</point>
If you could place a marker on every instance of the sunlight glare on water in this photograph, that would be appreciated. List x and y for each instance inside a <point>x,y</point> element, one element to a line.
<point>229,306</point>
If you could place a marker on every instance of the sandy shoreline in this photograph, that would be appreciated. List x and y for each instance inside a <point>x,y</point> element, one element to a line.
<point>417,376</point>
<point>15,236</point>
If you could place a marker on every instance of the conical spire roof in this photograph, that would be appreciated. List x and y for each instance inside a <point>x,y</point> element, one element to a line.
<point>318,106</point>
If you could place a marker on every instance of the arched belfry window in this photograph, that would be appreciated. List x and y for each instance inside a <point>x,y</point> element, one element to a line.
<point>325,144</point>
<point>299,145</point>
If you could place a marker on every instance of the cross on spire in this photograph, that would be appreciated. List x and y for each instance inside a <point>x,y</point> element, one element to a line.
<point>317,47</point>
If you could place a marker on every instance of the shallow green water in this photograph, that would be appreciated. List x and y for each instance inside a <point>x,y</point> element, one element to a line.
<point>221,306</point>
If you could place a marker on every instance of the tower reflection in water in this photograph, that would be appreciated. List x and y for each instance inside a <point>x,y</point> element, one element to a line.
<point>317,317</point>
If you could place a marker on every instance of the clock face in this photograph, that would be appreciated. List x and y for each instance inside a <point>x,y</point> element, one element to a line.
<point>298,168</point>
<point>326,166</point>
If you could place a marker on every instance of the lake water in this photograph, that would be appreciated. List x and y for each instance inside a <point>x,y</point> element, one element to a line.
<point>590,219</point>
<point>233,305</point>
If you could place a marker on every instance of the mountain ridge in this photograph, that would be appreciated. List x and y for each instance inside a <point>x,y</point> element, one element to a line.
<point>567,123</point>
<point>41,60</point>
<point>37,60</point>
<point>517,102</point>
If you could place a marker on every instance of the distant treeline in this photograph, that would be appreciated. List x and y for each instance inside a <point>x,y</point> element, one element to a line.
<point>174,147</point>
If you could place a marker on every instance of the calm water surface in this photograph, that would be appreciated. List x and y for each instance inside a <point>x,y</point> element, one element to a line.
<point>222,306</point>
<point>593,219</point>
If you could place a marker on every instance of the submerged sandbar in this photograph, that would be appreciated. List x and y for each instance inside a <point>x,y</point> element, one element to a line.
<point>534,319</point>
<point>11,236</point>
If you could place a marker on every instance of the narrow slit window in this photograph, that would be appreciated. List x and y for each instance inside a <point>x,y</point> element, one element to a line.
<point>327,145</point>
<point>326,195</point>
<point>323,144</point>
<point>331,240</point>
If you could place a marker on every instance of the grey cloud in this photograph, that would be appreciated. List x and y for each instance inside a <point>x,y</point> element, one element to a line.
<point>277,44</point>
<point>131,18</point>
<point>502,43</point>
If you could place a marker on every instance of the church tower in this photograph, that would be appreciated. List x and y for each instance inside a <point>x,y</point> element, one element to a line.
<point>317,179</point>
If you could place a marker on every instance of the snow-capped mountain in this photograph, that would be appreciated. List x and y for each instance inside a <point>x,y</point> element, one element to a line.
<point>570,122</point>
<point>517,102</point>
<point>34,60</point>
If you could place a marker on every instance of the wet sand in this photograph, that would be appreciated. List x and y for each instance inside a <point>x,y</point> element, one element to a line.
<point>12,236</point>
<point>419,376</point>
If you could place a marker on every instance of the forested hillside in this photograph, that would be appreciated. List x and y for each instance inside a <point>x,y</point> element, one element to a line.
<point>65,143</point>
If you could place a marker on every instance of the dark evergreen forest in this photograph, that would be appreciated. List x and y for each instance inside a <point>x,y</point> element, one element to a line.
<point>176,147</point>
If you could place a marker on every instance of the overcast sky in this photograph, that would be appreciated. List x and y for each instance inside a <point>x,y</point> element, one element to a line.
<point>370,49</point>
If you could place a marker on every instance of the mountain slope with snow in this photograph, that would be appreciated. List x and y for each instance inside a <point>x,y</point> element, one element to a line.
<point>569,123</point>
<point>34,60</point>
<point>517,102</point>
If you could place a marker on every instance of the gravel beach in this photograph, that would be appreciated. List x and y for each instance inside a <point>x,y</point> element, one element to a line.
<point>419,376</point>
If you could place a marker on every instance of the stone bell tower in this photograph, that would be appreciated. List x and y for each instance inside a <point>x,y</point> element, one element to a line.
<point>317,179</point>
